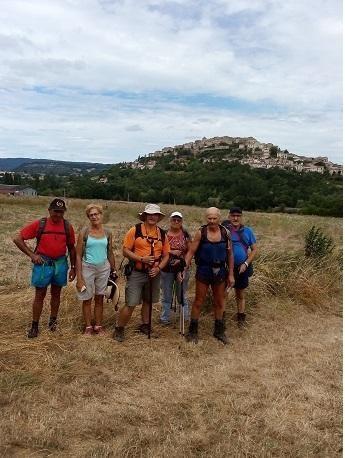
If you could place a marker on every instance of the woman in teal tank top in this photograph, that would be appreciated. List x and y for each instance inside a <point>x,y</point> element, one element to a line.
<point>95,261</point>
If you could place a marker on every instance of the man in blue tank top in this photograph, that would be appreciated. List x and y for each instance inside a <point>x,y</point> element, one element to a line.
<point>211,247</point>
<point>244,248</point>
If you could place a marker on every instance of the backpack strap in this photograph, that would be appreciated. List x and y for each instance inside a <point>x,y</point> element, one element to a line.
<point>67,227</point>
<point>41,226</point>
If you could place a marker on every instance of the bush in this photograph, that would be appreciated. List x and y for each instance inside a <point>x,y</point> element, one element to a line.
<point>317,244</point>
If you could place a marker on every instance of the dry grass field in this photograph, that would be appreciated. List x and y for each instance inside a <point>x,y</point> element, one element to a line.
<point>274,391</point>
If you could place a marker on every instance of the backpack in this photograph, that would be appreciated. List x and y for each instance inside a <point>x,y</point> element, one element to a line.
<point>41,231</point>
<point>243,242</point>
<point>224,237</point>
<point>85,231</point>
<point>128,268</point>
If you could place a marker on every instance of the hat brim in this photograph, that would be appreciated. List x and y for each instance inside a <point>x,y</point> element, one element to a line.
<point>141,215</point>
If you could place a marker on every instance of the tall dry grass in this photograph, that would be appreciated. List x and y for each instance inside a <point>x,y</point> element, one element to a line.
<point>274,391</point>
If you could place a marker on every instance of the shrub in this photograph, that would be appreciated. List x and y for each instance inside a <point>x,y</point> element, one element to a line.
<point>317,244</point>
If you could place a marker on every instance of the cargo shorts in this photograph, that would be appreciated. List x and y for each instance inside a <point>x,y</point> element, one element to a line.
<point>137,288</point>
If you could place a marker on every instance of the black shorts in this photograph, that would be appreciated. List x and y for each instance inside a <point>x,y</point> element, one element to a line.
<point>241,280</point>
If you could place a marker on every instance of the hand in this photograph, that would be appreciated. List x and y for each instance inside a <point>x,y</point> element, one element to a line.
<point>148,260</point>
<point>242,268</point>
<point>176,252</point>
<point>36,259</point>
<point>71,275</point>
<point>80,284</point>
<point>180,277</point>
<point>230,281</point>
<point>154,271</point>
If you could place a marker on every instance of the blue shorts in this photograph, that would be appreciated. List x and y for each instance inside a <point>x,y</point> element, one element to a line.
<point>52,272</point>
<point>210,275</point>
<point>241,280</point>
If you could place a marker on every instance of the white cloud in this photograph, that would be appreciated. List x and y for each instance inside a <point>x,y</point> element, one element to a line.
<point>282,56</point>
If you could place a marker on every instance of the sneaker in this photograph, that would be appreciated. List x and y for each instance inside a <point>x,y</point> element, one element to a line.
<point>88,331</point>
<point>33,332</point>
<point>52,324</point>
<point>99,330</point>
<point>164,323</point>
<point>119,333</point>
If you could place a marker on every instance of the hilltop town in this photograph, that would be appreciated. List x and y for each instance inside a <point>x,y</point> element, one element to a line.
<point>244,150</point>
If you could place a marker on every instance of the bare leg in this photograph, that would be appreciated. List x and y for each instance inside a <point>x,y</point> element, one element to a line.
<point>125,315</point>
<point>37,305</point>
<point>98,309</point>
<point>87,312</point>
<point>200,294</point>
<point>145,312</point>
<point>55,292</point>
<point>240,300</point>
<point>218,300</point>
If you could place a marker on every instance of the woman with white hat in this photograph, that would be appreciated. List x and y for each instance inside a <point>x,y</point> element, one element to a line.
<point>171,275</point>
<point>147,248</point>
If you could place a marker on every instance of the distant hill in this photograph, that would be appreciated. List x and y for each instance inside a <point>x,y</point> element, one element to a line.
<point>48,166</point>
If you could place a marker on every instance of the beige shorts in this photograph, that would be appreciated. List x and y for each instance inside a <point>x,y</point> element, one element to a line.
<point>138,291</point>
<point>95,279</point>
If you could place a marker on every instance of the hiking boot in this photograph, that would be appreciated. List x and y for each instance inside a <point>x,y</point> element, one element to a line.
<point>241,320</point>
<point>192,335</point>
<point>219,331</point>
<point>119,333</point>
<point>33,332</point>
<point>144,328</point>
<point>52,324</point>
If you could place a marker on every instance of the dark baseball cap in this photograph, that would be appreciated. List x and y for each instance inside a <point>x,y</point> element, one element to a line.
<point>237,210</point>
<point>57,204</point>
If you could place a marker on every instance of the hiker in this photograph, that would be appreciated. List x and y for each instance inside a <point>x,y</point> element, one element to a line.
<point>174,279</point>
<point>95,262</point>
<point>147,248</point>
<point>244,248</point>
<point>54,235</point>
<point>211,247</point>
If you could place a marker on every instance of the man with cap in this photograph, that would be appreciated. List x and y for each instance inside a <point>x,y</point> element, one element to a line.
<point>54,236</point>
<point>147,248</point>
<point>244,248</point>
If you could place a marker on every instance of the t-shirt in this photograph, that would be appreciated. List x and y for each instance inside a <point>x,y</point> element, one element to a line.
<point>142,245</point>
<point>52,244</point>
<point>241,243</point>
<point>179,242</point>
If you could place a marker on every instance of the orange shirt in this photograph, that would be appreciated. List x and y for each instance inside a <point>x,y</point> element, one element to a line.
<point>142,245</point>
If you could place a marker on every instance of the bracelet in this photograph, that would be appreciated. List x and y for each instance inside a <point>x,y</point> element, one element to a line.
<point>246,263</point>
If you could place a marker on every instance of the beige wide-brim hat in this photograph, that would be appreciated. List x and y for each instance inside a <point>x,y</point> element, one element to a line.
<point>151,209</point>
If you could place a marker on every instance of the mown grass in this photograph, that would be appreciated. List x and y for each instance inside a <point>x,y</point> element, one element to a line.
<point>274,391</point>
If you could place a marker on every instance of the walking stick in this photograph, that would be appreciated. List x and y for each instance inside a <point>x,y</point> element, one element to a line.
<point>150,308</point>
<point>182,311</point>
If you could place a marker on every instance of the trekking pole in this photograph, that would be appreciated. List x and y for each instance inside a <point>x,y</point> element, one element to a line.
<point>182,309</point>
<point>150,308</point>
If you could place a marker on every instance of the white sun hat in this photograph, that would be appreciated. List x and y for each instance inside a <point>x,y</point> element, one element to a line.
<point>151,209</point>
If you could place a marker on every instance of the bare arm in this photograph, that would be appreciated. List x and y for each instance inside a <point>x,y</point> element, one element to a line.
<point>253,252</point>
<point>111,257</point>
<point>20,243</point>
<point>78,258</point>
<point>193,248</point>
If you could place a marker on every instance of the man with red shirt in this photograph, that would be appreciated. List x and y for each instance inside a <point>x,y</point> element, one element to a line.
<point>54,235</point>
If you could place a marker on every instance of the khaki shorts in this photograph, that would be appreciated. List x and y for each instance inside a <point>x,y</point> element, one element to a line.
<point>137,289</point>
<point>96,280</point>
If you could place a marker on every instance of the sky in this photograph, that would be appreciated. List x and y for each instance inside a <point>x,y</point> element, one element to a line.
<point>108,80</point>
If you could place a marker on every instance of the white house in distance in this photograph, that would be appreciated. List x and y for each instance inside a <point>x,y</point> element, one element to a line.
<point>17,190</point>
